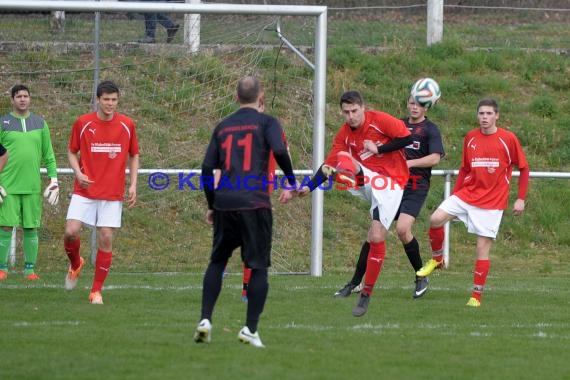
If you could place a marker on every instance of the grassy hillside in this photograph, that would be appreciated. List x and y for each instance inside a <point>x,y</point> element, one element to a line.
<point>166,231</point>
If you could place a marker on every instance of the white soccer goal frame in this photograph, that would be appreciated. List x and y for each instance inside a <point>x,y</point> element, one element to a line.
<point>192,8</point>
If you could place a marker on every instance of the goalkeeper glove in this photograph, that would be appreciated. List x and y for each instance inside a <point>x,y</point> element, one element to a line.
<point>51,192</point>
<point>3,194</point>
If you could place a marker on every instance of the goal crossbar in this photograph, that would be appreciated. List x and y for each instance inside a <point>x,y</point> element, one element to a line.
<point>128,6</point>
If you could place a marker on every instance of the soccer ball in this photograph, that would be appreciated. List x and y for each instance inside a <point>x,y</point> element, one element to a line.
<point>426,92</point>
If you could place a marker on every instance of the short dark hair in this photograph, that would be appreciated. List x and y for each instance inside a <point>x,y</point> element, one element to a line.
<point>351,97</point>
<point>17,88</point>
<point>248,89</point>
<point>488,102</point>
<point>107,87</point>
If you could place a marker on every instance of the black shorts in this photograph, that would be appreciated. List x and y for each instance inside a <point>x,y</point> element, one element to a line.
<point>248,229</point>
<point>413,201</point>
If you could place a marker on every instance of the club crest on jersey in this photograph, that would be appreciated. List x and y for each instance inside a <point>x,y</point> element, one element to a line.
<point>111,149</point>
<point>365,154</point>
<point>415,145</point>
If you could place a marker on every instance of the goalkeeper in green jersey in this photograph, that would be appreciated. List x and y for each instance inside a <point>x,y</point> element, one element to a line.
<point>27,139</point>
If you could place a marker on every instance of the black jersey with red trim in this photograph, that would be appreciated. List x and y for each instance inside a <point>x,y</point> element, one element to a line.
<point>426,140</point>
<point>241,147</point>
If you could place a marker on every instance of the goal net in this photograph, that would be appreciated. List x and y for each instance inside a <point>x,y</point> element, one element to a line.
<point>175,94</point>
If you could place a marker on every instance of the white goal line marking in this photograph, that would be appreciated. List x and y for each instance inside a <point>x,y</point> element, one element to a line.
<point>328,287</point>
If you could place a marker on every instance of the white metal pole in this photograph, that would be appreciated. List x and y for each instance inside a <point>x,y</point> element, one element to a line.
<point>192,29</point>
<point>446,194</point>
<point>434,21</point>
<point>319,143</point>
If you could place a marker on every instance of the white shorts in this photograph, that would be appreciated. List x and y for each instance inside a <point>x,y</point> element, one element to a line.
<point>479,221</point>
<point>382,192</point>
<point>95,212</point>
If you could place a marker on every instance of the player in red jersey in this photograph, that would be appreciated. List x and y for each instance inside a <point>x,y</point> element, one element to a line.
<point>101,145</point>
<point>370,145</point>
<point>424,153</point>
<point>481,192</point>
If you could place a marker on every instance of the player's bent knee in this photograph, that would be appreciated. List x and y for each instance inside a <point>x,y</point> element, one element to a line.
<point>403,232</point>
<point>70,235</point>
<point>438,219</point>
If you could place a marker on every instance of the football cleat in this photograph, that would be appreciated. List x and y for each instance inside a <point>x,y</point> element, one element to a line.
<point>429,267</point>
<point>362,306</point>
<point>247,337</point>
<point>95,298</point>
<point>203,332</point>
<point>32,277</point>
<point>421,287</point>
<point>3,275</point>
<point>73,275</point>
<point>347,290</point>
<point>473,302</point>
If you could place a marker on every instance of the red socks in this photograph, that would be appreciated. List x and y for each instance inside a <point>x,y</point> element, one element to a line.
<point>374,265</point>
<point>345,163</point>
<point>72,250</point>
<point>102,266</point>
<point>102,262</point>
<point>436,236</point>
<point>480,277</point>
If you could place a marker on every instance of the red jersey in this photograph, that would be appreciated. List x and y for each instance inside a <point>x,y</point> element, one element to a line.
<point>381,128</point>
<point>487,167</point>
<point>104,147</point>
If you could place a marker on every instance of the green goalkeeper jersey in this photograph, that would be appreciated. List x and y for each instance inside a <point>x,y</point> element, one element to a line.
<point>27,140</point>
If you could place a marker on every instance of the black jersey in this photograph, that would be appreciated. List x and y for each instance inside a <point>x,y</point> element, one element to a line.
<point>427,140</point>
<point>241,147</point>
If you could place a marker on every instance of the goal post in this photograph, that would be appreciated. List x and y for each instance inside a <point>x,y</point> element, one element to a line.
<point>317,96</point>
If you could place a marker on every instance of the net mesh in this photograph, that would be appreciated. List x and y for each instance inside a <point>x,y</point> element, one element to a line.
<point>175,97</point>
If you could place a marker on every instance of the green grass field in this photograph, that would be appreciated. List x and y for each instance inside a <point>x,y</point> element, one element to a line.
<point>145,329</point>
